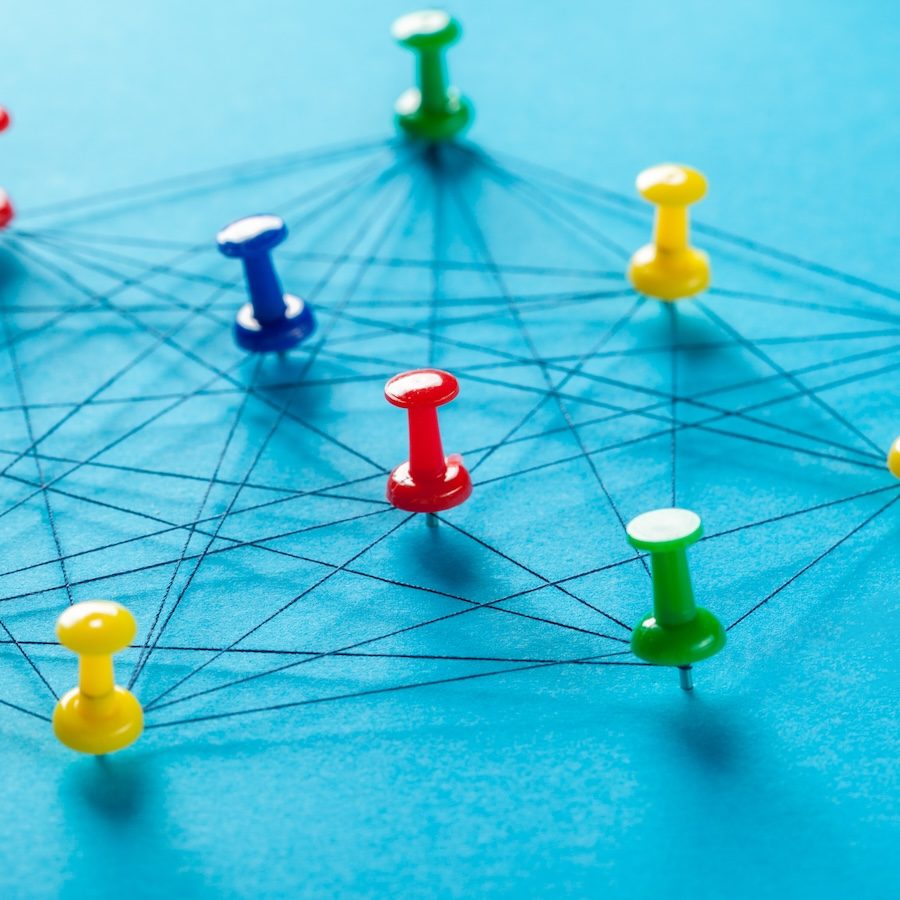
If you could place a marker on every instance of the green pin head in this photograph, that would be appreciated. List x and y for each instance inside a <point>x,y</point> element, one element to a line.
<point>427,29</point>
<point>432,111</point>
<point>677,632</point>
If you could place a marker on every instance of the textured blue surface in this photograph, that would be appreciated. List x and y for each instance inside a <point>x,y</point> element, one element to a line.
<point>779,775</point>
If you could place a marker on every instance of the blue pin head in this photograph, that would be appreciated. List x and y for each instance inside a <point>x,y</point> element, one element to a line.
<point>251,235</point>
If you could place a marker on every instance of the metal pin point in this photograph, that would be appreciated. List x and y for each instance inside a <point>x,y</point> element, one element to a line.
<point>686,677</point>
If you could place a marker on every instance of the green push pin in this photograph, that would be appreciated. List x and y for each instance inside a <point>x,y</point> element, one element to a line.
<point>433,111</point>
<point>678,632</point>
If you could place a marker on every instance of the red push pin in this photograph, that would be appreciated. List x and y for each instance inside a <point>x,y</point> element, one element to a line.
<point>428,482</point>
<point>6,208</point>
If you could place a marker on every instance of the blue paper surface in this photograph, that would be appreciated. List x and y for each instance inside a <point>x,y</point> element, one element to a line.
<point>498,750</point>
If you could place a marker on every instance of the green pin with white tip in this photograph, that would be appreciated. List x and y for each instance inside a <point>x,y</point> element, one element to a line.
<point>677,632</point>
<point>434,110</point>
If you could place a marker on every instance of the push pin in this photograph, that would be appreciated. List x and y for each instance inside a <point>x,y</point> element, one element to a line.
<point>428,482</point>
<point>893,460</point>
<point>98,716</point>
<point>433,111</point>
<point>678,632</point>
<point>272,321</point>
<point>6,207</point>
<point>669,268</point>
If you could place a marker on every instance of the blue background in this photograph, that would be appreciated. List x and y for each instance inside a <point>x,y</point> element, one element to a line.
<point>778,775</point>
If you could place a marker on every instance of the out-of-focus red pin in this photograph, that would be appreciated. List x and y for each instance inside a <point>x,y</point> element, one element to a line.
<point>6,207</point>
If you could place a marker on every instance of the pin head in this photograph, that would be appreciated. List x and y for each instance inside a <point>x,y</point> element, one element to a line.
<point>426,29</point>
<point>251,235</point>
<point>6,207</point>
<point>664,529</point>
<point>671,184</point>
<point>96,627</point>
<point>893,459</point>
<point>421,388</point>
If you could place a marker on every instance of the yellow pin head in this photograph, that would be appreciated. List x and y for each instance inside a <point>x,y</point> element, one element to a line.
<point>671,184</point>
<point>96,628</point>
<point>893,460</point>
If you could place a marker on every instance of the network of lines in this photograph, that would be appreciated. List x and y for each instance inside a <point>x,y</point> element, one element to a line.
<point>235,502</point>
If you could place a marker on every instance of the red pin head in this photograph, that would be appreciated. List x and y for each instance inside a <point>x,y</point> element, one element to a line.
<point>421,387</point>
<point>6,207</point>
<point>428,482</point>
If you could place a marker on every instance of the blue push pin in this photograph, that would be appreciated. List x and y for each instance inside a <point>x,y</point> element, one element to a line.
<point>272,321</point>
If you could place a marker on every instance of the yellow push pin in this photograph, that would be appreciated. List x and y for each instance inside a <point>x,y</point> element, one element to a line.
<point>893,459</point>
<point>98,716</point>
<point>669,268</point>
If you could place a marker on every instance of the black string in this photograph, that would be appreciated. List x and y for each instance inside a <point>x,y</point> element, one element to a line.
<point>673,383</point>
<point>824,555</point>
<point>357,237</point>
<point>535,196</point>
<point>580,189</point>
<point>484,249</point>
<point>806,391</point>
<point>384,690</point>
<point>247,171</point>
